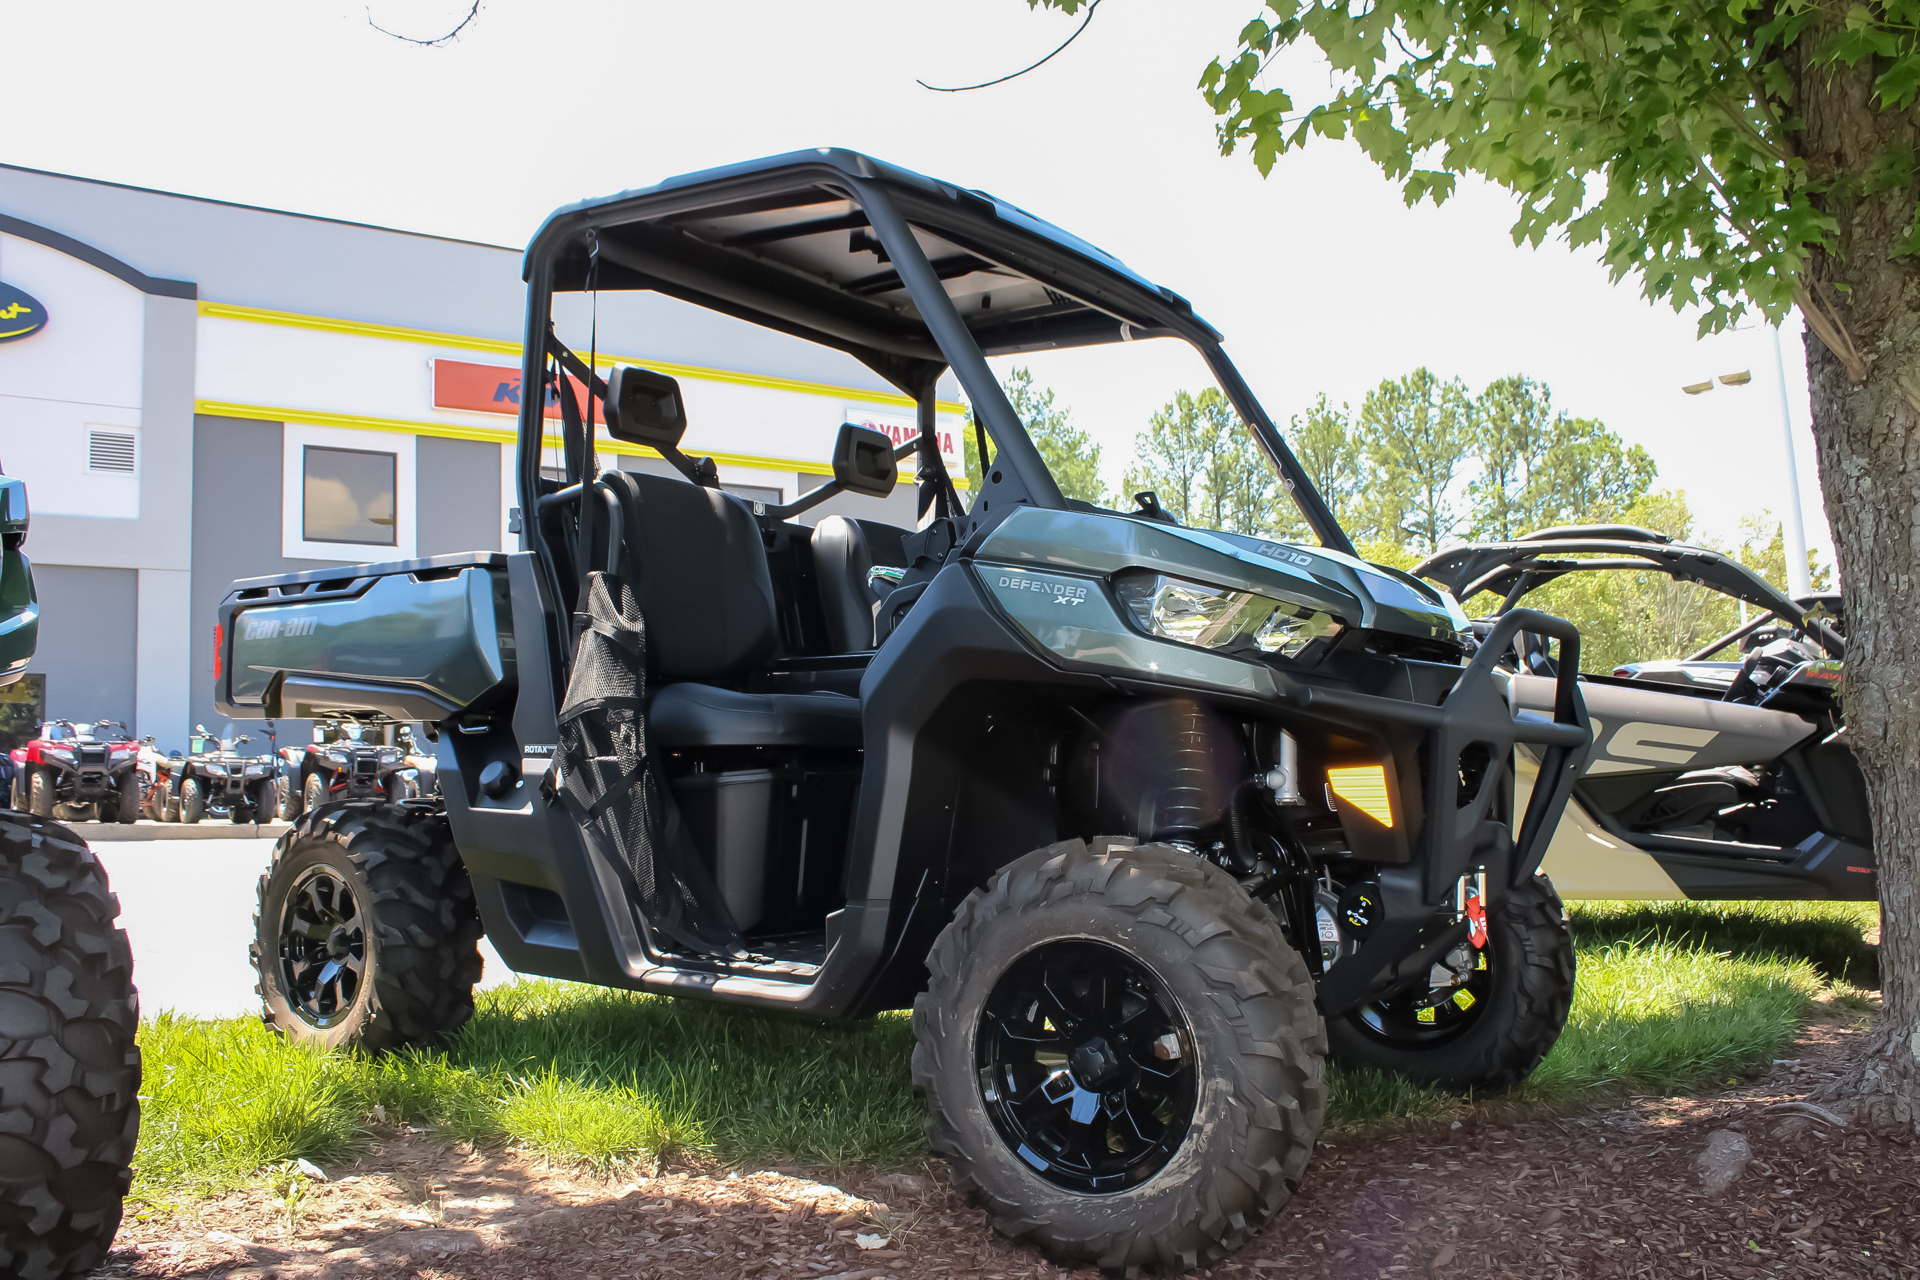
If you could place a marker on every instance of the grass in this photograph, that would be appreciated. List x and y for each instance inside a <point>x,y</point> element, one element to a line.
<point>1670,996</point>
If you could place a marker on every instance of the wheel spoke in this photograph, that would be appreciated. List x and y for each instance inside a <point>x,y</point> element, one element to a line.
<point>1066,1053</point>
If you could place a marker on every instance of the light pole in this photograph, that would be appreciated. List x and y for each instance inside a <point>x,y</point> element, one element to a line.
<point>1794,528</point>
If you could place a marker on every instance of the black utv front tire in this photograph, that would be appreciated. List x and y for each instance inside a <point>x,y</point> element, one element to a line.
<point>397,907</point>
<point>39,792</point>
<point>1518,1017</point>
<point>313,792</point>
<point>1252,1036</point>
<point>69,1068</point>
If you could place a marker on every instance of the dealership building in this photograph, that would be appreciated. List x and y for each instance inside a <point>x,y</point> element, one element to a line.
<point>196,391</point>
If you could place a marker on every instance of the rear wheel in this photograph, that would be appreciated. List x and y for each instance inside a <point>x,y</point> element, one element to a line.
<point>313,793</point>
<point>366,933</point>
<point>39,793</point>
<point>1485,1019</point>
<point>1121,1057</point>
<point>193,800</point>
<point>69,1069</point>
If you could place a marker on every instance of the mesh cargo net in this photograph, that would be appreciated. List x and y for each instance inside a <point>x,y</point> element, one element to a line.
<point>613,786</point>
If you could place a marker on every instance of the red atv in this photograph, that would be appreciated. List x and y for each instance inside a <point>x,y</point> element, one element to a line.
<point>83,771</point>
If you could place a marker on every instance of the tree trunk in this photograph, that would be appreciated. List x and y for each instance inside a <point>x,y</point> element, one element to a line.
<point>1867,433</point>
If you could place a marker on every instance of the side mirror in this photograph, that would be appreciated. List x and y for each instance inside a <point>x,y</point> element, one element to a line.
<point>863,461</point>
<point>242,740</point>
<point>644,407</point>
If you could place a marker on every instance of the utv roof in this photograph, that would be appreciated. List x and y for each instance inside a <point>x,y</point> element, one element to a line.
<point>784,241</point>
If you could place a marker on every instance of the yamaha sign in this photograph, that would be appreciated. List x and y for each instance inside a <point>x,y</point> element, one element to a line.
<point>21,315</point>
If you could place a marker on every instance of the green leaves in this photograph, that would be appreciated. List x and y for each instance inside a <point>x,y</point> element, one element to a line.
<point>1070,453</point>
<point>1668,134</point>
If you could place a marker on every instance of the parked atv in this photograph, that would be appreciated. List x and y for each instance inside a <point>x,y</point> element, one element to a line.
<point>216,777</point>
<point>343,762</point>
<point>69,1067</point>
<point>1076,787</point>
<point>1724,774</point>
<point>79,772</point>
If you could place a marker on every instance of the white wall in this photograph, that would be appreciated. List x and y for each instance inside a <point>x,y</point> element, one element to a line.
<point>83,369</point>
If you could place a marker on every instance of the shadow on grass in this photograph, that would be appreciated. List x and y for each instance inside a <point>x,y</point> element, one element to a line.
<point>1830,935</point>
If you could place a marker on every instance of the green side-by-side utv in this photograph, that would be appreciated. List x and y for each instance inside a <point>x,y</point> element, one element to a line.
<point>69,1069</point>
<point>1140,819</point>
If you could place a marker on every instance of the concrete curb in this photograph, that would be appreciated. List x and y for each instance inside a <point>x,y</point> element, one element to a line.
<point>208,829</point>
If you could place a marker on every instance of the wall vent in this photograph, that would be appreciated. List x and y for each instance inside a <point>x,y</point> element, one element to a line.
<point>116,451</point>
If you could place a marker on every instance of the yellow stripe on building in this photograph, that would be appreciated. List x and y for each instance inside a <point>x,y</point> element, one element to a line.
<point>496,346</point>
<point>492,435</point>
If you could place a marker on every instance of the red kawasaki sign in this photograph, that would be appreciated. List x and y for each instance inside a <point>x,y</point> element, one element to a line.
<point>487,388</point>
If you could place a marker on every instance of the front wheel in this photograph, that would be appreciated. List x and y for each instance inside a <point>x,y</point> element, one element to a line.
<point>193,801</point>
<point>287,799</point>
<point>367,934</point>
<point>1121,1057</point>
<point>70,1076</point>
<point>313,792</point>
<point>40,793</point>
<point>1484,1019</point>
<point>129,807</point>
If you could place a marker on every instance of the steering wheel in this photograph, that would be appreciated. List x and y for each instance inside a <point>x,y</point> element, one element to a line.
<point>1766,665</point>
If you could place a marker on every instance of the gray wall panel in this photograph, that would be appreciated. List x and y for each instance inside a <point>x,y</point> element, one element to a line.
<point>236,534</point>
<point>459,488</point>
<point>86,648</point>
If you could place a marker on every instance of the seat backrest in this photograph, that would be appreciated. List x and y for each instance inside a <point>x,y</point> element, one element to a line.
<point>843,551</point>
<point>698,569</point>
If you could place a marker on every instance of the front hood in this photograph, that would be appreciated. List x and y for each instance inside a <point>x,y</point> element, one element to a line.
<point>1363,595</point>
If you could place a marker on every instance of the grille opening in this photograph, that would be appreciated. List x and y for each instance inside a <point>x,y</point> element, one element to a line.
<point>115,451</point>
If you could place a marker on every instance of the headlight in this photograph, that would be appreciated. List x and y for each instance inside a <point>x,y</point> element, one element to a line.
<point>254,771</point>
<point>389,756</point>
<point>1220,617</point>
<point>59,753</point>
<point>338,757</point>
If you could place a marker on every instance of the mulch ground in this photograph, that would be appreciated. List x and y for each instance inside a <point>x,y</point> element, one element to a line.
<point>1612,1192</point>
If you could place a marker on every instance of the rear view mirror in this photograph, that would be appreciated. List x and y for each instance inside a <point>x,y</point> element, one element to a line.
<point>863,461</point>
<point>644,407</point>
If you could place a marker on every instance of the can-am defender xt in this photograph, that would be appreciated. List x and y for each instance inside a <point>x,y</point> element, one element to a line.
<point>1711,776</point>
<point>69,1068</point>
<point>1079,782</point>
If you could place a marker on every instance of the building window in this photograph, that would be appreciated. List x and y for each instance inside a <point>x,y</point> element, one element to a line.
<point>347,495</point>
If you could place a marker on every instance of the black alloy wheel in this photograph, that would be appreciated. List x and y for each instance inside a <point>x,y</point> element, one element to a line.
<point>1086,1066</point>
<point>1434,1012</point>
<point>1492,1028</point>
<point>323,946</point>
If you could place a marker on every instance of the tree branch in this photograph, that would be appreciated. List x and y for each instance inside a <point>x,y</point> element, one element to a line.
<point>988,84</point>
<point>472,13</point>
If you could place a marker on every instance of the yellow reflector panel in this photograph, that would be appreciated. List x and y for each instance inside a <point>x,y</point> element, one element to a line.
<point>1365,788</point>
<point>1463,998</point>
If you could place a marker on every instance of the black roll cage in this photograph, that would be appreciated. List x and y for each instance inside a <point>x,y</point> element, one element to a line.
<point>628,241</point>
<point>1513,569</point>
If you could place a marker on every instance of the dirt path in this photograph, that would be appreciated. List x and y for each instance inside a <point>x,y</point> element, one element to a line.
<point>1611,1193</point>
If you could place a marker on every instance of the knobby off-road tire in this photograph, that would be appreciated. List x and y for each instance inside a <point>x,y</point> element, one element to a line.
<point>69,1069</point>
<point>193,801</point>
<point>1251,1029</point>
<point>410,934</point>
<point>39,792</point>
<point>313,792</point>
<point>287,799</point>
<point>1520,1013</point>
<point>128,810</point>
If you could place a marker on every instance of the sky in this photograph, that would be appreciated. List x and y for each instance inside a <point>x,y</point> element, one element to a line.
<point>1318,275</point>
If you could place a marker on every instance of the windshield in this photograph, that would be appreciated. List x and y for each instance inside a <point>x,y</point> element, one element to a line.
<point>58,732</point>
<point>1143,417</point>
